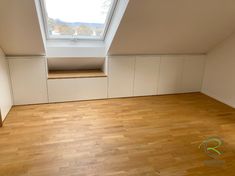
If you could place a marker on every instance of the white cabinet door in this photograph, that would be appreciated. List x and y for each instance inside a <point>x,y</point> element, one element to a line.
<point>61,90</point>
<point>193,72</point>
<point>121,76</point>
<point>28,76</point>
<point>146,75</point>
<point>171,69</point>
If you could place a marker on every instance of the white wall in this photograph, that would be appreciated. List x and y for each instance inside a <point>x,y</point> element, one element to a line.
<point>5,86</point>
<point>29,80</point>
<point>70,48</point>
<point>219,79</point>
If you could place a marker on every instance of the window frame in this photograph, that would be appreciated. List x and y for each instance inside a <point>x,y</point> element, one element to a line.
<point>77,38</point>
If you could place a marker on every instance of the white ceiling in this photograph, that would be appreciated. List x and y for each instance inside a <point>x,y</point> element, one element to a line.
<point>19,28</point>
<point>148,27</point>
<point>173,26</point>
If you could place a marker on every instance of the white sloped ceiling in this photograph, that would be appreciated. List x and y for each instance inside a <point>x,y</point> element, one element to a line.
<point>173,26</point>
<point>19,28</point>
<point>147,27</point>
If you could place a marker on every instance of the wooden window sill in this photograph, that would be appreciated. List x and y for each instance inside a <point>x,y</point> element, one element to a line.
<point>75,74</point>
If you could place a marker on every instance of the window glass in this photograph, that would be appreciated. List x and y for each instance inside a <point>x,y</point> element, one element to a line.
<point>85,19</point>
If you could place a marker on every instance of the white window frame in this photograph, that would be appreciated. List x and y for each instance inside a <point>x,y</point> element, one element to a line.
<point>71,37</point>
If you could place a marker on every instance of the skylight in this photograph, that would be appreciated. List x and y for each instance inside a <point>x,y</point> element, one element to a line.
<point>77,19</point>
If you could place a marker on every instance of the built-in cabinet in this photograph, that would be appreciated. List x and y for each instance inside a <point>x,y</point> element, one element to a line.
<point>170,75</point>
<point>29,80</point>
<point>127,76</point>
<point>154,75</point>
<point>121,70</point>
<point>193,72</point>
<point>146,75</point>
<point>60,90</point>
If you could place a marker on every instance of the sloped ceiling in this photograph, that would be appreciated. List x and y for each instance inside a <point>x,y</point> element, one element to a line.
<point>173,26</point>
<point>19,28</point>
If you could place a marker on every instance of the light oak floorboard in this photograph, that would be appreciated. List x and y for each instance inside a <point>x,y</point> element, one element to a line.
<point>139,136</point>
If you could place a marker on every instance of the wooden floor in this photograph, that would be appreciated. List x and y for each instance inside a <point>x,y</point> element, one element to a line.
<point>145,136</point>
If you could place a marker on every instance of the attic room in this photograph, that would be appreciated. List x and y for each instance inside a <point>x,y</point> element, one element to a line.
<point>117,88</point>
